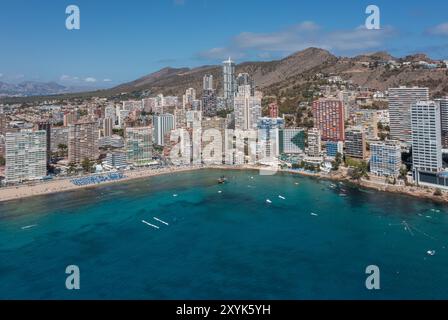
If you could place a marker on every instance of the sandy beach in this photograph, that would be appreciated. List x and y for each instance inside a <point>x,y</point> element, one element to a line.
<point>64,185</point>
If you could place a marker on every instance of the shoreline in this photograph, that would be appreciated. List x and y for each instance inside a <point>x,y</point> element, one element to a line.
<point>64,185</point>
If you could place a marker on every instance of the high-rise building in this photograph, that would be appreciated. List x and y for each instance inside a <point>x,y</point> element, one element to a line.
<point>207,82</point>
<point>444,120</point>
<point>229,80</point>
<point>328,117</point>
<point>188,98</point>
<point>163,124</point>
<point>110,112</point>
<point>385,158</point>
<point>355,143</point>
<point>426,137</point>
<point>108,126</point>
<point>209,103</point>
<point>314,143</point>
<point>46,126</point>
<point>273,110</point>
<point>400,101</point>
<point>247,109</point>
<point>292,140</point>
<point>25,155</point>
<point>139,145</point>
<point>82,142</point>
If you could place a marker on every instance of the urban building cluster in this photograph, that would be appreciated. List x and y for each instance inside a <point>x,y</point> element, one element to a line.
<point>232,125</point>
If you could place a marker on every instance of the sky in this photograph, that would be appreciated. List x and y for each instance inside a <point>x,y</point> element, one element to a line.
<point>119,41</point>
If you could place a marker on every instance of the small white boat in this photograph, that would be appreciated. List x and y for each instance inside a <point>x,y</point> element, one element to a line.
<point>296,183</point>
<point>161,221</point>
<point>29,227</point>
<point>174,195</point>
<point>431,252</point>
<point>149,224</point>
<point>314,214</point>
<point>282,197</point>
<point>219,191</point>
<point>268,201</point>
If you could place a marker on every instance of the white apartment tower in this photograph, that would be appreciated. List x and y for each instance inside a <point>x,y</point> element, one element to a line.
<point>247,109</point>
<point>229,79</point>
<point>163,124</point>
<point>426,137</point>
<point>208,82</point>
<point>26,155</point>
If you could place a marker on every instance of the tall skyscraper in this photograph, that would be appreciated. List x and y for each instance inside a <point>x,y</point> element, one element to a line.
<point>426,137</point>
<point>82,142</point>
<point>229,80</point>
<point>207,82</point>
<point>444,120</point>
<point>26,155</point>
<point>163,124</point>
<point>328,117</point>
<point>46,126</point>
<point>355,143</point>
<point>247,109</point>
<point>139,145</point>
<point>400,101</point>
<point>385,158</point>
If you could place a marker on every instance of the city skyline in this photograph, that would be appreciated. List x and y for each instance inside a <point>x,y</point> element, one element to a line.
<point>103,53</point>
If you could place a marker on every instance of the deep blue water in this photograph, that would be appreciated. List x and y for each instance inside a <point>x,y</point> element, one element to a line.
<point>229,245</point>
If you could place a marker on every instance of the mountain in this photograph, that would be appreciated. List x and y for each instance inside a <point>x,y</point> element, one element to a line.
<point>175,81</point>
<point>34,88</point>
<point>285,79</point>
<point>31,88</point>
<point>282,77</point>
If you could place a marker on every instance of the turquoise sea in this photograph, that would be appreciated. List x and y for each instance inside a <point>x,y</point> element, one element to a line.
<point>224,241</point>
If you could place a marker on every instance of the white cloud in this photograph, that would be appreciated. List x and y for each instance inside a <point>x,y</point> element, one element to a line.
<point>107,80</point>
<point>298,37</point>
<point>439,30</point>
<point>1,75</point>
<point>90,79</point>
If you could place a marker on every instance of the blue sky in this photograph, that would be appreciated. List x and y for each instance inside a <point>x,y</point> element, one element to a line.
<point>122,40</point>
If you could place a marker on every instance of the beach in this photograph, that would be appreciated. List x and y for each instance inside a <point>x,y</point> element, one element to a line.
<point>64,185</point>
